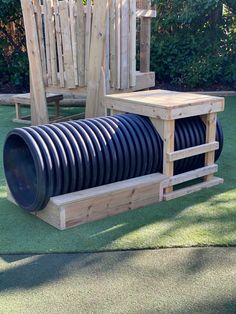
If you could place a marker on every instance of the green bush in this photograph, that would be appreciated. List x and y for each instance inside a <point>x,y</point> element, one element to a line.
<point>14,71</point>
<point>193,43</point>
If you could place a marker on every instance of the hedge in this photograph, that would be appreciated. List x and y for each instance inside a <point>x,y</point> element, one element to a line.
<point>194,43</point>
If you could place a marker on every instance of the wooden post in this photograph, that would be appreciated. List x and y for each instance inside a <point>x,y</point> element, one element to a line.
<point>145,38</point>
<point>132,43</point>
<point>39,112</point>
<point>96,60</point>
<point>210,121</point>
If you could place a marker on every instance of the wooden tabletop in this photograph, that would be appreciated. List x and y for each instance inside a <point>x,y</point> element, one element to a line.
<point>164,103</point>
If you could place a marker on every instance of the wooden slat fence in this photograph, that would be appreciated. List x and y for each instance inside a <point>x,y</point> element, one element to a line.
<point>64,34</point>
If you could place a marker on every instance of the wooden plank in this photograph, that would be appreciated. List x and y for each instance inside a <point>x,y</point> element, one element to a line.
<point>39,19</point>
<point>68,118</point>
<point>18,111</point>
<point>145,39</point>
<point>118,38</point>
<point>217,93</point>
<point>73,39</point>
<point>159,126</point>
<point>112,41</point>
<point>164,104</point>
<point>168,147</point>
<point>210,122</point>
<point>87,38</point>
<point>52,37</point>
<point>77,91</point>
<point>124,46</point>
<point>33,110</point>
<point>59,43</point>
<point>47,42</point>
<point>191,189</point>
<point>81,42</point>
<point>142,182</point>
<point>143,81</point>
<point>93,105</point>
<point>40,114</point>
<point>153,110</point>
<point>67,45</point>
<point>53,216</point>
<point>190,175</point>
<point>107,56</point>
<point>192,151</point>
<point>97,203</point>
<point>146,13</point>
<point>26,98</point>
<point>132,40</point>
<point>203,107</point>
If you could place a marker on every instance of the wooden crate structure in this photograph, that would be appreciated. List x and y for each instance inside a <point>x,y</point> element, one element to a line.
<point>68,43</point>
<point>163,108</point>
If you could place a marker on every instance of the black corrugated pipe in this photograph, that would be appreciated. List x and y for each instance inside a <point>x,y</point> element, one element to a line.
<point>54,159</point>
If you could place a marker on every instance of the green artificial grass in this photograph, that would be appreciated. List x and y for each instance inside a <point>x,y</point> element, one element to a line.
<point>201,219</point>
<point>179,281</point>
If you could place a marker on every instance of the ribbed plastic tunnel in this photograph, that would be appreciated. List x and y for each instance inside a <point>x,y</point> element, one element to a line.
<point>50,160</point>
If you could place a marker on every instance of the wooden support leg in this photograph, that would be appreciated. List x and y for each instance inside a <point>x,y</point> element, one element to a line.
<point>210,121</point>
<point>168,147</point>
<point>57,107</point>
<point>18,111</point>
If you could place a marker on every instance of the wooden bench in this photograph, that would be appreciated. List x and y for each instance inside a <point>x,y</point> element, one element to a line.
<point>21,100</point>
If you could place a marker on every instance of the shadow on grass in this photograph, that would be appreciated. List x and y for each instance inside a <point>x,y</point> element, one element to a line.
<point>195,279</point>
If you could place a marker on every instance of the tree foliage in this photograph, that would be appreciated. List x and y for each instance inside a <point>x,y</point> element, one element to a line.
<point>194,42</point>
<point>13,57</point>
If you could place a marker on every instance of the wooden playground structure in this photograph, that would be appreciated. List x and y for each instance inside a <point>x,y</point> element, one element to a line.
<point>86,50</point>
<point>92,50</point>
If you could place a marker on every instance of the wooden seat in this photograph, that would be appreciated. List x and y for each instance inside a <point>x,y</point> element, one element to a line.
<point>25,100</point>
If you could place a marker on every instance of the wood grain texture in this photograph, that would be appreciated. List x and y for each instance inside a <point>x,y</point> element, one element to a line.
<point>145,38</point>
<point>132,43</point>
<point>40,114</point>
<point>193,188</point>
<point>67,44</point>
<point>80,26</point>
<point>59,44</point>
<point>96,60</point>
<point>76,208</point>
<point>167,105</point>
<point>193,151</point>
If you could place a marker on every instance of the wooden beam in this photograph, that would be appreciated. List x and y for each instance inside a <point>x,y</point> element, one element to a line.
<point>124,39</point>
<point>146,13</point>
<point>145,38</point>
<point>80,25</point>
<point>132,44</point>
<point>96,59</point>
<point>193,151</point>
<point>190,175</point>
<point>168,147</point>
<point>69,210</point>
<point>210,122</point>
<point>193,188</point>
<point>39,112</point>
